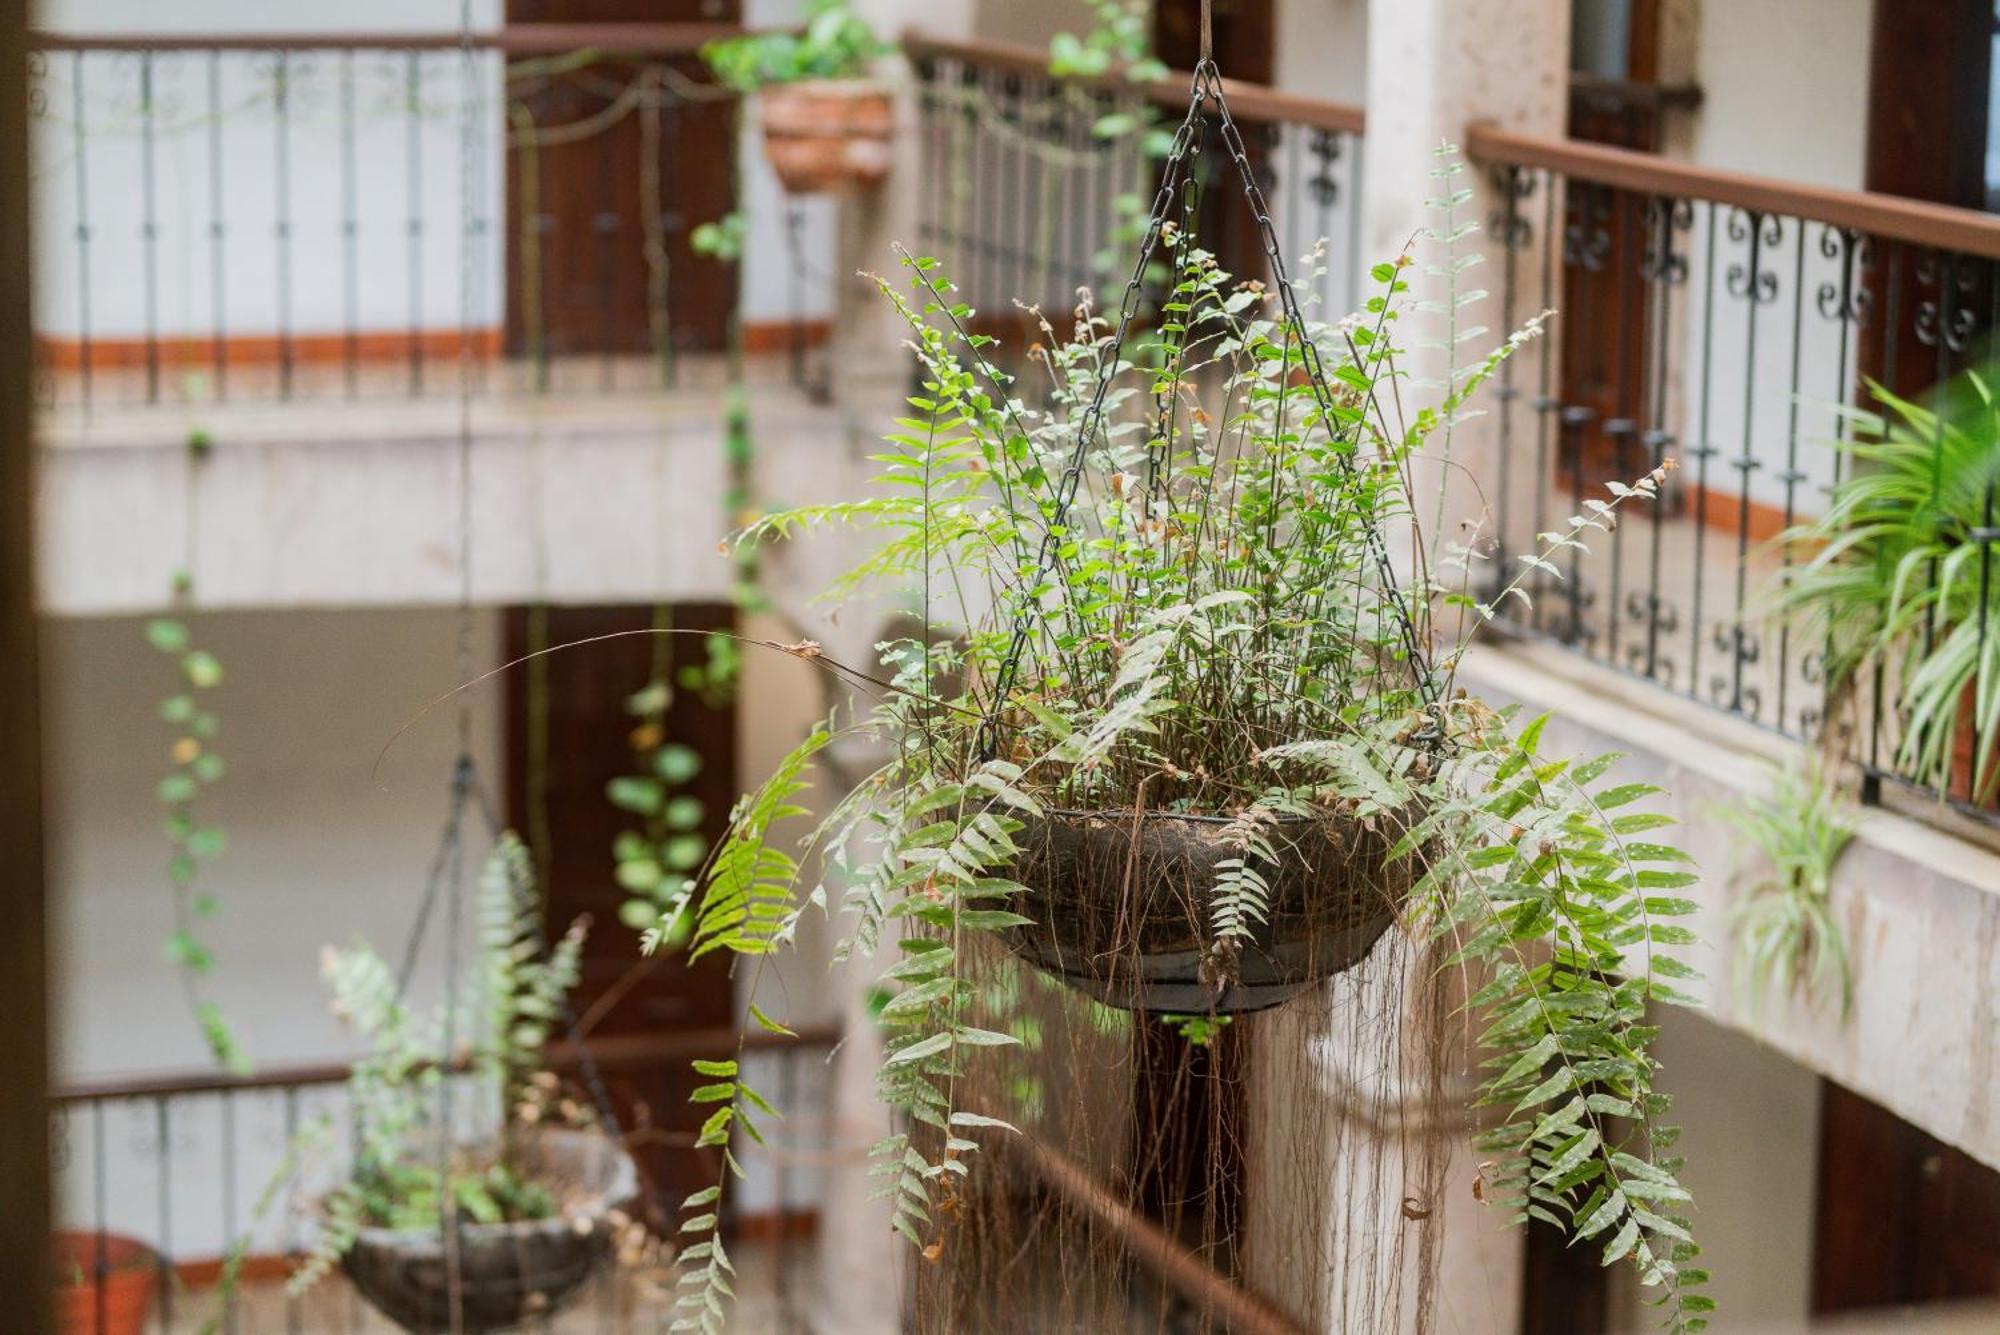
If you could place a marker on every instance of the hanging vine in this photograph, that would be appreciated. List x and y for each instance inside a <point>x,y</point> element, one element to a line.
<point>194,766</point>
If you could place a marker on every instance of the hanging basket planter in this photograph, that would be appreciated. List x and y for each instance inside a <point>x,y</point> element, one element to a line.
<point>507,1273</point>
<point>822,135</point>
<point>1122,908</point>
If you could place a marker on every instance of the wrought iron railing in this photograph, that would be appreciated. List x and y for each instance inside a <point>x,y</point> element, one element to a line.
<point>1723,321</point>
<point>228,217</point>
<point>1027,178</point>
<point>179,1163</point>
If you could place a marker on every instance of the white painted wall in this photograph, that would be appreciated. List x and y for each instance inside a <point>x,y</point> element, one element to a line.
<point>1323,48</point>
<point>1785,89</point>
<point>1749,1120</point>
<point>321,851</point>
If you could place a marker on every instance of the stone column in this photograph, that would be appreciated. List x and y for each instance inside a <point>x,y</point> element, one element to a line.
<point>1434,67</point>
<point>861,1262</point>
<point>870,368</point>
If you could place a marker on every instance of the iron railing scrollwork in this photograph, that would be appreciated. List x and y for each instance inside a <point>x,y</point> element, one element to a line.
<point>1731,323</point>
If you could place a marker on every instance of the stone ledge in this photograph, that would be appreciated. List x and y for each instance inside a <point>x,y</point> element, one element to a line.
<point>1921,907</point>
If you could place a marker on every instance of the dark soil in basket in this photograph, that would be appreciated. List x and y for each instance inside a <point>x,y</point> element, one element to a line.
<point>1129,901</point>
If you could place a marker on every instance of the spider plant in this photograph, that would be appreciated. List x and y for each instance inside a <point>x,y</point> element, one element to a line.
<point>1786,937</point>
<point>1898,579</point>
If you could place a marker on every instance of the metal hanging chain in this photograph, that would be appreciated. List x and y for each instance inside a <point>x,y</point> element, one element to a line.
<point>1090,429</point>
<point>1316,378</point>
<point>1207,84</point>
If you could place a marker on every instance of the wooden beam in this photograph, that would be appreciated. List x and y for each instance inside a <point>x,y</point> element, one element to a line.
<point>24,1052</point>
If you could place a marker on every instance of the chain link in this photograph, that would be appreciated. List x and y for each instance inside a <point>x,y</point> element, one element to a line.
<point>1192,134</point>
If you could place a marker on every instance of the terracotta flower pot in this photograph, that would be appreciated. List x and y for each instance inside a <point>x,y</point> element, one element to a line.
<point>508,1273</point>
<point>104,1286</point>
<point>1123,908</point>
<point>823,134</point>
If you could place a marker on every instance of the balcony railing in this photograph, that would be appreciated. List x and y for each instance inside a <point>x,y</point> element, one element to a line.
<point>1725,321</point>
<point>179,1162</point>
<point>1024,185</point>
<point>230,217</point>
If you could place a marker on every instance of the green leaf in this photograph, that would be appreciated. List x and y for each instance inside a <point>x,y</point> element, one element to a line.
<point>167,635</point>
<point>201,668</point>
<point>767,1024</point>
<point>632,793</point>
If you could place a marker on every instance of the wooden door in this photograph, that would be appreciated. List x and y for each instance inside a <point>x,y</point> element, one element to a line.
<point>1929,117</point>
<point>577,207</point>
<point>1901,1216</point>
<point>1245,50</point>
<point>1603,324</point>
<point>568,736</point>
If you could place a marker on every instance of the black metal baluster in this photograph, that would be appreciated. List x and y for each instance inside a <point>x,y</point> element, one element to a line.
<point>1016,238</point>
<point>282,227</point>
<point>1984,535</point>
<point>673,219</point>
<point>1546,402</point>
<point>163,1257</point>
<point>543,223</point>
<point>149,227</point>
<point>1586,247</point>
<point>228,1184</point>
<point>1669,270</point>
<point>980,221</point>
<point>1325,188</point>
<point>1871,782</point>
<point>1623,426</point>
<point>350,232</point>
<point>1293,148</point>
<point>1353,153</point>
<point>1703,450</point>
<point>605,227</point>
<point>218,241</point>
<point>1757,287</point>
<point>795,286</point>
<point>1934,324</point>
<point>294,1314</point>
<point>1511,231</point>
<point>788,1095</point>
<point>1847,304</point>
<point>81,139</point>
<point>413,184</point>
<point>1791,477</point>
<point>100,1205</point>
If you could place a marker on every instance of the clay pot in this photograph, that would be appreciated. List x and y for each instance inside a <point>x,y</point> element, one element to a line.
<point>1123,908</point>
<point>508,1273</point>
<point>823,134</point>
<point>104,1284</point>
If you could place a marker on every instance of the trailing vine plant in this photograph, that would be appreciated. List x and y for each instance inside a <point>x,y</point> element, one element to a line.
<point>655,861</point>
<point>194,767</point>
<point>1171,567</point>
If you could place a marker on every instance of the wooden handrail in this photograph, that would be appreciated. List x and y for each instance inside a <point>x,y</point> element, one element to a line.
<point>1887,217</point>
<point>516,39</point>
<point>1215,1295</point>
<point>1247,101</point>
<point>620,1052</point>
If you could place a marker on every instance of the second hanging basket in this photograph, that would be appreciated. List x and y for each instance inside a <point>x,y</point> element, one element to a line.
<point>508,1274</point>
<point>1123,907</point>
